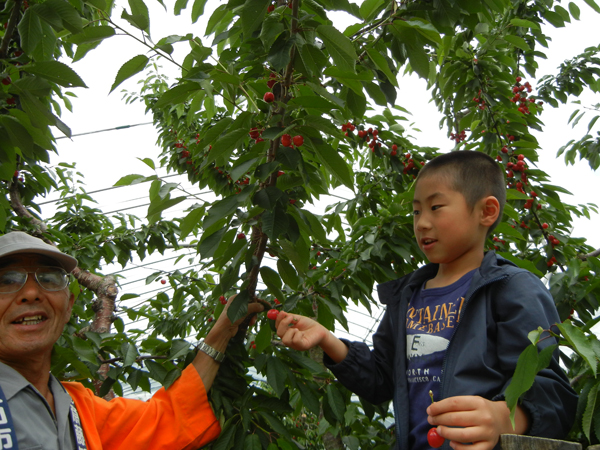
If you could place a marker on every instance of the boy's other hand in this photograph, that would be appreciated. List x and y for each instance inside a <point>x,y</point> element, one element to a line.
<point>299,332</point>
<point>480,421</point>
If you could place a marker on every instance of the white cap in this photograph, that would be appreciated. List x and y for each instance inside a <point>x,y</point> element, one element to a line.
<point>18,242</point>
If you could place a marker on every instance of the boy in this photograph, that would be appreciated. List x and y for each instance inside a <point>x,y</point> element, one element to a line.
<point>455,326</point>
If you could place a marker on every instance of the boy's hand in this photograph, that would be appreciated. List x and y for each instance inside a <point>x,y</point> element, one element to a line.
<point>479,421</point>
<point>299,332</point>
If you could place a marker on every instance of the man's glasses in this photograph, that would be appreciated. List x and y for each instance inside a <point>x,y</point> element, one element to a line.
<point>49,278</point>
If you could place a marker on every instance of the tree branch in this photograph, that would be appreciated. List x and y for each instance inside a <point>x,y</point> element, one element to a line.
<point>590,255</point>
<point>10,28</point>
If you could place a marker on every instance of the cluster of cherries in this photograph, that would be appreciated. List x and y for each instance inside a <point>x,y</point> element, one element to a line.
<point>480,101</point>
<point>256,133</point>
<point>521,97</point>
<point>458,137</point>
<point>286,140</point>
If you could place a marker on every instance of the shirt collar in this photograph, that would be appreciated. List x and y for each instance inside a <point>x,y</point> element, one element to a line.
<point>11,381</point>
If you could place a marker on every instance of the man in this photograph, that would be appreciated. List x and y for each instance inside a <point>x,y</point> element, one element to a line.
<point>37,411</point>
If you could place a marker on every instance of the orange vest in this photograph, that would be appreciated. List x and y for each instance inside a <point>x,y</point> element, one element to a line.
<point>177,418</point>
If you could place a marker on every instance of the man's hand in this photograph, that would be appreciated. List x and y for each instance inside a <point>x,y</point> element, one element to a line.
<point>479,421</point>
<point>218,338</point>
<point>301,333</point>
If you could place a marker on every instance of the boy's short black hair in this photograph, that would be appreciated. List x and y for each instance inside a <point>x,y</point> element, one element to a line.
<point>473,174</point>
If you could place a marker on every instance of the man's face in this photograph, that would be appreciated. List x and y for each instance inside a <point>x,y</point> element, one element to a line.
<point>46,313</point>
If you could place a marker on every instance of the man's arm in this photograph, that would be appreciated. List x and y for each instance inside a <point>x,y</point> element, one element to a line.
<point>218,338</point>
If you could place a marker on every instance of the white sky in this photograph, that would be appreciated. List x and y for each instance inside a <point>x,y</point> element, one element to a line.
<point>105,157</point>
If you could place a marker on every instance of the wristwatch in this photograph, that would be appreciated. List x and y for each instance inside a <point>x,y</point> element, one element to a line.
<point>214,354</point>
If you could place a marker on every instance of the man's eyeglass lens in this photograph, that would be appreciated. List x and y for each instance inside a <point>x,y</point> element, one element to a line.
<point>49,278</point>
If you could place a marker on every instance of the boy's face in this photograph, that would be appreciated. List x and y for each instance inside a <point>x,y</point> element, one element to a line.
<point>446,229</point>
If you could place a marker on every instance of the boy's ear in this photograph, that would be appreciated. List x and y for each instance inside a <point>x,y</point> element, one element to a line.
<point>490,210</point>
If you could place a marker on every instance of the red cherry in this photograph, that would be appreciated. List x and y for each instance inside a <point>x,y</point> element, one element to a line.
<point>434,439</point>
<point>393,152</point>
<point>271,8</point>
<point>279,173</point>
<point>286,140</point>
<point>163,281</point>
<point>277,302</point>
<point>298,140</point>
<point>271,83</point>
<point>292,201</point>
<point>223,300</point>
<point>394,147</point>
<point>545,226</point>
<point>241,236</point>
<point>6,80</point>
<point>269,97</point>
<point>11,101</point>
<point>185,153</point>
<point>272,314</point>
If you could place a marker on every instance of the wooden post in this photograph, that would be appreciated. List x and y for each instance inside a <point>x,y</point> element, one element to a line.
<point>516,442</point>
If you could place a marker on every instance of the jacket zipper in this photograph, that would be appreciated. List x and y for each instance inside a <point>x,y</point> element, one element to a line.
<point>467,301</point>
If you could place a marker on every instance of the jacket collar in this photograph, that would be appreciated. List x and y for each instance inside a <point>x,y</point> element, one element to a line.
<point>389,292</point>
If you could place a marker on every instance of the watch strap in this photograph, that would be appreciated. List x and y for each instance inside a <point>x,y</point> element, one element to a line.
<point>213,353</point>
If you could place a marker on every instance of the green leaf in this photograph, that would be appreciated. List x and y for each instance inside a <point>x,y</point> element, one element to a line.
<point>524,23</point>
<point>56,72</point>
<point>590,406</point>
<point>130,353</point>
<point>419,61</point>
<point>253,14</point>
<point>156,207</point>
<point>157,371</point>
<point>272,280</point>
<point>339,46</point>
<point>309,398</point>
<point>69,16</point>
<point>139,9</point>
<point>198,9</point>
<point>299,253</point>
<point>523,377</point>
<point>263,338</point>
<point>517,41</point>
<point>287,273</point>
<point>592,4</point>
<point>332,161</point>
<point>238,307</point>
<point>336,402</point>
<point>18,134</point>
<point>191,221</point>
<point>276,375</point>
<point>580,343</point>
<point>369,7</point>
<point>382,64</point>
<point>252,442</point>
<point>129,69</point>
<point>574,10</point>
<point>178,94</point>
<point>226,144</point>
<point>30,31</point>
<point>92,34</point>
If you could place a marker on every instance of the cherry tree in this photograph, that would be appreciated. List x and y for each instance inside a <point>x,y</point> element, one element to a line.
<point>282,108</point>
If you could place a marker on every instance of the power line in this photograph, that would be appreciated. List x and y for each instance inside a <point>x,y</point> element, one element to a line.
<point>122,127</point>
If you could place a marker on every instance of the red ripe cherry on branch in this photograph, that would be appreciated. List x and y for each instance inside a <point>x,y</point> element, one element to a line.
<point>6,80</point>
<point>298,140</point>
<point>272,314</point>
<point>241,236</point>
<point>286,140</point>
<point>269,97</point>
<point>223,300</point>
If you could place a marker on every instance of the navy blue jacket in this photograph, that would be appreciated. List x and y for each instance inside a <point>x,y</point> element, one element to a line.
<point>503,304</point>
